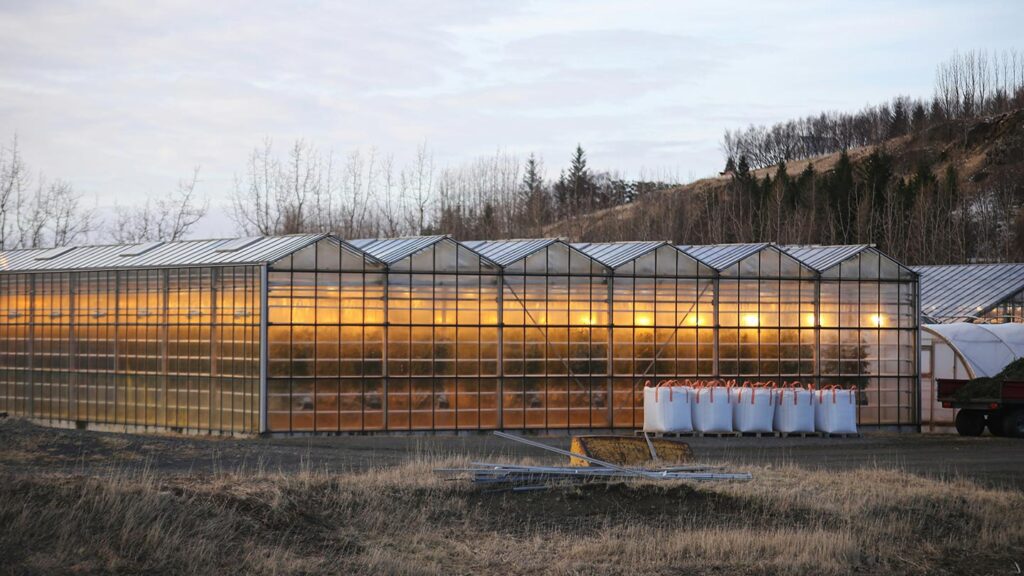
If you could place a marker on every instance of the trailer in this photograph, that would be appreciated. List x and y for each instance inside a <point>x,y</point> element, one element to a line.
<point>1002,413</point>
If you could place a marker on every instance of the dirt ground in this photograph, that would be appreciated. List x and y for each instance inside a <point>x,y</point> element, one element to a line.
<point>24,448</point>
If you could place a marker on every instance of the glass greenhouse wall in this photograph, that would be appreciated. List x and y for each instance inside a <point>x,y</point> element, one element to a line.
<point>325,340</point>
<point>1009,310</point>
<point>869,335</point>
<point>313,334</point>
<point>176,349</point>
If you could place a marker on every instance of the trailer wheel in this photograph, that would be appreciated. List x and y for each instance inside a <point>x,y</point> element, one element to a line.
<point>1013,423</point>
<point>996,422</point>
<point>970,422</point>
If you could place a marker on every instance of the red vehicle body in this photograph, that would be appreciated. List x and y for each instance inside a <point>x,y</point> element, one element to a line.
<point>1003,415</point>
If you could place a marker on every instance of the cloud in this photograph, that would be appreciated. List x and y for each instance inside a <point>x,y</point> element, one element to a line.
<point>124,98</point>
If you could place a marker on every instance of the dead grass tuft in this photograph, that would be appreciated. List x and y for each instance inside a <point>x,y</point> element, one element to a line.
<point>406,520</point>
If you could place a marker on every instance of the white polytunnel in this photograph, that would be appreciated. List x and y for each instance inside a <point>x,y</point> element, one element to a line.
<point>962,350</point>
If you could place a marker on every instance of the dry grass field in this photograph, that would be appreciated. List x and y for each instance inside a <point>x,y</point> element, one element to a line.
<point>402,519</point>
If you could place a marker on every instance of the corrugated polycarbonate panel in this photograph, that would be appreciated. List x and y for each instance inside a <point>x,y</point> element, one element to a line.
<point>964,292</point>
<point>615,254</point>
<point>721,256</point>
<point>1011,334</point>
<point>505,252</point>
<point>166,255</point>
<point>988,348</point>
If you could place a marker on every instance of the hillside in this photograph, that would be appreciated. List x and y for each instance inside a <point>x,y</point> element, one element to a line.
<point>980,162</point>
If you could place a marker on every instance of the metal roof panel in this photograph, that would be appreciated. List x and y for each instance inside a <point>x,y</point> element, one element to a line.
<point>505,252</point>
<point>821,257</point>
<point>958,292</point>
<point>165,255</point>
<point>615,254</point>
<point>721,256</point>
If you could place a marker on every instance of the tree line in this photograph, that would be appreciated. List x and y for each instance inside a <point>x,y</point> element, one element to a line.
<point>967,86</point>
<point>303,189</point>
<point>366,195</point>
<point>921,217</point>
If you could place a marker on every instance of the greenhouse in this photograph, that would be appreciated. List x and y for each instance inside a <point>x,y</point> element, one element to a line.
<point>976,293</point>
<point>962,350</point>
<point>316,334</point>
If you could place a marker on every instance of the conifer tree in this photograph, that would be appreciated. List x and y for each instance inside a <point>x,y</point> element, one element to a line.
<point>841,197</point>
<point>576,187</point>
<point>532,180</point>
<point>535,200</point>
<point>743,169</point>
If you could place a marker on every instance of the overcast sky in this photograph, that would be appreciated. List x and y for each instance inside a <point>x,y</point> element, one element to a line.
<point>124,98</point>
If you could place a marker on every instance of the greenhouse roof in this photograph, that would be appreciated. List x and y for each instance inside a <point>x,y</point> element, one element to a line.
<point>994,282</point>
<point>822,258</point>
<point>721,256</point>
<point>966,291</point>
<point>391,250</point>
<point>183,253</point>
<point>615,254</point>
<point>505,252</point>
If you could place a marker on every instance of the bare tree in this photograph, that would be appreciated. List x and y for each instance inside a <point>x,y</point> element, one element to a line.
<point>254,201</point>
<point>71,220</point>
<point>166,218</point>
<point>298,186</point>
<point>391,202</point>
<point>14,180</point>
<point>285,197</point>
<point>53,215</point>
<point>35,213</point>
<point>417,185</point>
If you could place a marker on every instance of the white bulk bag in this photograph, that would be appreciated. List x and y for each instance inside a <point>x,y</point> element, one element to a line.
<point>667,409</point>
<point>753,409</point>
<point>794,410</point>
<point>712,410</point>
<point>835,411</point>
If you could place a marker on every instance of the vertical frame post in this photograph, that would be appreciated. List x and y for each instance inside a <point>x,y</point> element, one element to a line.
<point>31,384</point>
<point>500,326</point>
<point>716,298</point>
<point>264,346</point>
<point>917,353</point>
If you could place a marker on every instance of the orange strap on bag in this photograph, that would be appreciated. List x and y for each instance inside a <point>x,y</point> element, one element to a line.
<point>821,394</point>
<point>711,394</point>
